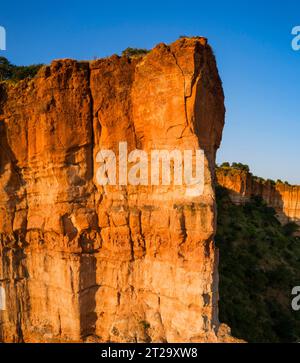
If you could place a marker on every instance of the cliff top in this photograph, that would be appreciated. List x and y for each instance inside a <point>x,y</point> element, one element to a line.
<point>236,169</point>
<point>12,74</point>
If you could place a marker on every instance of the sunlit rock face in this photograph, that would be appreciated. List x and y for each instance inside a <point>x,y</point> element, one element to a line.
<point>85,262</point>
<point>284,198</point>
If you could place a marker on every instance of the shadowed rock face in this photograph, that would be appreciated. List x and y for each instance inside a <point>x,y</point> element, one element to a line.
<point>284,198</point>
<point>79,261</point>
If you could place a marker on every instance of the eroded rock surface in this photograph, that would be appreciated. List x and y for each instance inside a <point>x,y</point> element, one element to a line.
<point>84,262</point>
<point>284,198</point>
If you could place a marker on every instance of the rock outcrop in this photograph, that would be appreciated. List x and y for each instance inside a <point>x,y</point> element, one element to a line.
<point>85,262</point>
<point>284,198</point>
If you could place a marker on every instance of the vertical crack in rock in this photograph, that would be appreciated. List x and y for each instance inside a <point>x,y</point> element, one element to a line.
<point>185,95</point>
<point>88,263</point>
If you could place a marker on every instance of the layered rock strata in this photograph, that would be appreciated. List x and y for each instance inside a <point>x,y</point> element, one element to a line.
<point>85,262</point>
<point>284,198</point>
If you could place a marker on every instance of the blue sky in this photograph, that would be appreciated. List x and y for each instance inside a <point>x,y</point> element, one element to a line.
<point>251,40</point>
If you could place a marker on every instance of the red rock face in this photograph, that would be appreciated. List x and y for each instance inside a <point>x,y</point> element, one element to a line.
<point>80,261</point>
<point>284,198</point>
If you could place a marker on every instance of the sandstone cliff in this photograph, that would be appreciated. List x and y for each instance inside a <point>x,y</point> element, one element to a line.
<point>83,262</point>
<point>284,198</point>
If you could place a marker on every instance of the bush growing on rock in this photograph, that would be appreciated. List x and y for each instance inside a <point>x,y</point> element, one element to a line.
<point>131,52</point>
<point>11,72</point>
<point>240,166</point>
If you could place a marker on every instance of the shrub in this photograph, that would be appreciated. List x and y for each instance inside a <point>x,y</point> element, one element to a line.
<point>145,324</point>
<point>131,52</point>
<point>225,165</point>
<point>240,166</point>
<point>290,229</point>
<point>23,72</point>
<point>5,69</point>
<point>271,181</point>
<point>11,72</point>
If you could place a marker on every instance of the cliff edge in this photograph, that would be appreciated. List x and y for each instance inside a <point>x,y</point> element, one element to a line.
<point>85,262</point>
<point>242,185</point>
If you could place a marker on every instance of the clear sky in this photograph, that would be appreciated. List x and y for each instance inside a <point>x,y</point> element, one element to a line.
<point>251,40</point>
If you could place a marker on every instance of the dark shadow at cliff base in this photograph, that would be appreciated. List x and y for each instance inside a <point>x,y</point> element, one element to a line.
<point>259,265</point>
<point>278,208</point>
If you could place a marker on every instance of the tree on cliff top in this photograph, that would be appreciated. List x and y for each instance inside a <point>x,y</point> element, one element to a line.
<point>131,52</point>
<point>9,71</point>
<point>225,165</point>
<point>240,166</point>
<point>236,166</point>
<point>5,69</point>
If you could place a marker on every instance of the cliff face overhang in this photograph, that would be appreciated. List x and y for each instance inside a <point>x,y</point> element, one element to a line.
<point>284,198</point>
<point>79,261</point>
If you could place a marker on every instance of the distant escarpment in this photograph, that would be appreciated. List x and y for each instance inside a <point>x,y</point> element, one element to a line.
<point>84,262</point>
<point>242,185</point>
<point>259,265</point>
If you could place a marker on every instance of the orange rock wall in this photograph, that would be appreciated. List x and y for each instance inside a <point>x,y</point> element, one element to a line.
<point>84,262</point>
<point>284,198</point>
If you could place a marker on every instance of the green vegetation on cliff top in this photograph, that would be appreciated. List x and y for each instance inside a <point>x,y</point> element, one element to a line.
<point>235,168</point>
<point>133,52</point>
<point>11,72</point>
